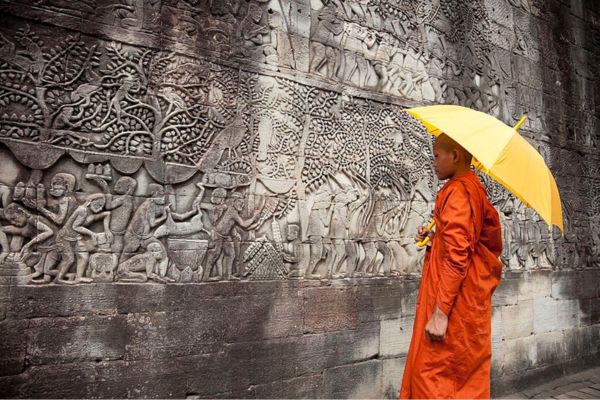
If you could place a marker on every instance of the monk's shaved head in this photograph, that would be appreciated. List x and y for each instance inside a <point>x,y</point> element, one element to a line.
<point>448,144</point>
<point>450,158</point>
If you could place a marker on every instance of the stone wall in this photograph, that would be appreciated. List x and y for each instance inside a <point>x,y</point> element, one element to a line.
<point>218,197</point>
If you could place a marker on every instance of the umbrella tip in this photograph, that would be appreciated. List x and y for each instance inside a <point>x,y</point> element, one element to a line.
<point>521,122</point>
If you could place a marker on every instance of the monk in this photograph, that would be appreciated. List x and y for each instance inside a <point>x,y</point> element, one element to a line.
<point>450,351</point>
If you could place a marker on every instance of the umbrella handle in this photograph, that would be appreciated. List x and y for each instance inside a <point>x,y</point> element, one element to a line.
<point>424,241</point>
<point>521,122</point>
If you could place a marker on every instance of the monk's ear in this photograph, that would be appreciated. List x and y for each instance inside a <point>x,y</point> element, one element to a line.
<point>455,155</point>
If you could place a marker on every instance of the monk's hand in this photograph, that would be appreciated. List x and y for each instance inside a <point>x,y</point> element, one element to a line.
<point>422,233</point>
<point>437,325</point>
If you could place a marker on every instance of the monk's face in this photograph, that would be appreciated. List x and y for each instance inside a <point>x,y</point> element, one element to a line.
<point>445,163</point>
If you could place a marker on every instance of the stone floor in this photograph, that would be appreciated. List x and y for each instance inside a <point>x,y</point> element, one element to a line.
<point>582,385</point>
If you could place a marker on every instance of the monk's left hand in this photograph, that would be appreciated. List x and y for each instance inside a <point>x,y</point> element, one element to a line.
<point>437,325</point>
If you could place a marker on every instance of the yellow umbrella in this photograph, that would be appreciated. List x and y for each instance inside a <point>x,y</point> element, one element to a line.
<point>499,151</point>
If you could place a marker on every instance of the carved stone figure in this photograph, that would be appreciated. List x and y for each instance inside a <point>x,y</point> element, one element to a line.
<point>24,232</point>
<point>150,214</point>
<point>75,240</point>
<point>151,265</point>
<point>298,103</point>
<point>121,206</point>
<point>223,239</point>
<point>318,231</point>
<point>190,221</point>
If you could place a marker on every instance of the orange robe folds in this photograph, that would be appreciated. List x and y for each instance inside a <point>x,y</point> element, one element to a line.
<point>460,273</point>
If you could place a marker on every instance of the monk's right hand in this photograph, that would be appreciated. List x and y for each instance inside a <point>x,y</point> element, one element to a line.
<point>422,233</point>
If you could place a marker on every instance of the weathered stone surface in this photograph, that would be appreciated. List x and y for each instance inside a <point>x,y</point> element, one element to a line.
<point>533,285</point>
<point>550,314</point>
<point>219,198</point>
<point>517,320</point>
<point>330,310</point>
<point>367,378</point>
<point>394,336</point>
<point>393,370</point>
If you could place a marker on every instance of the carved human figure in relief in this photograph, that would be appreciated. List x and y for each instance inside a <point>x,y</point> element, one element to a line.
<point>57,207</point>
<point>294,253</point>
<point>252,35</point>
<point>23,226</point>
<point>121,206</point>
<point>123,93</point>
<point>4,198</point>
<point>325,40</point>
<point>520,247</point>
<point>340,227</point>
<point>75,239</point>
<point>61,202</point>
<point>373,244</point>
<point>224,236</point>
<point>150,265</point>
<point>354,248</point>
<point>150,214</point>
<point>545,251</point>
<point>279,51</point>
<point>407,256</point>
<point>318,229</point>
<point>184,224</point>
<point>382,58</point>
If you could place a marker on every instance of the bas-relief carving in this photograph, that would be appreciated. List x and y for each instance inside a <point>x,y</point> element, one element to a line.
<point>291,180</point>
<point>424,51</point>
<point>267,32</point>
<point>187,171</point>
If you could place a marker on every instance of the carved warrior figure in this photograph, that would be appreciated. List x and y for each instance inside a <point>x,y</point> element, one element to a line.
<point>325,50</point>
<point>280,50</point>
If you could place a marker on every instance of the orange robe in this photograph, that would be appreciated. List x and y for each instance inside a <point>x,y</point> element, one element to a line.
<point>460,273</point>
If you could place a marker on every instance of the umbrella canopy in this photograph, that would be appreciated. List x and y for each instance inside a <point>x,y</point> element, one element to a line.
<point>499,151</point>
